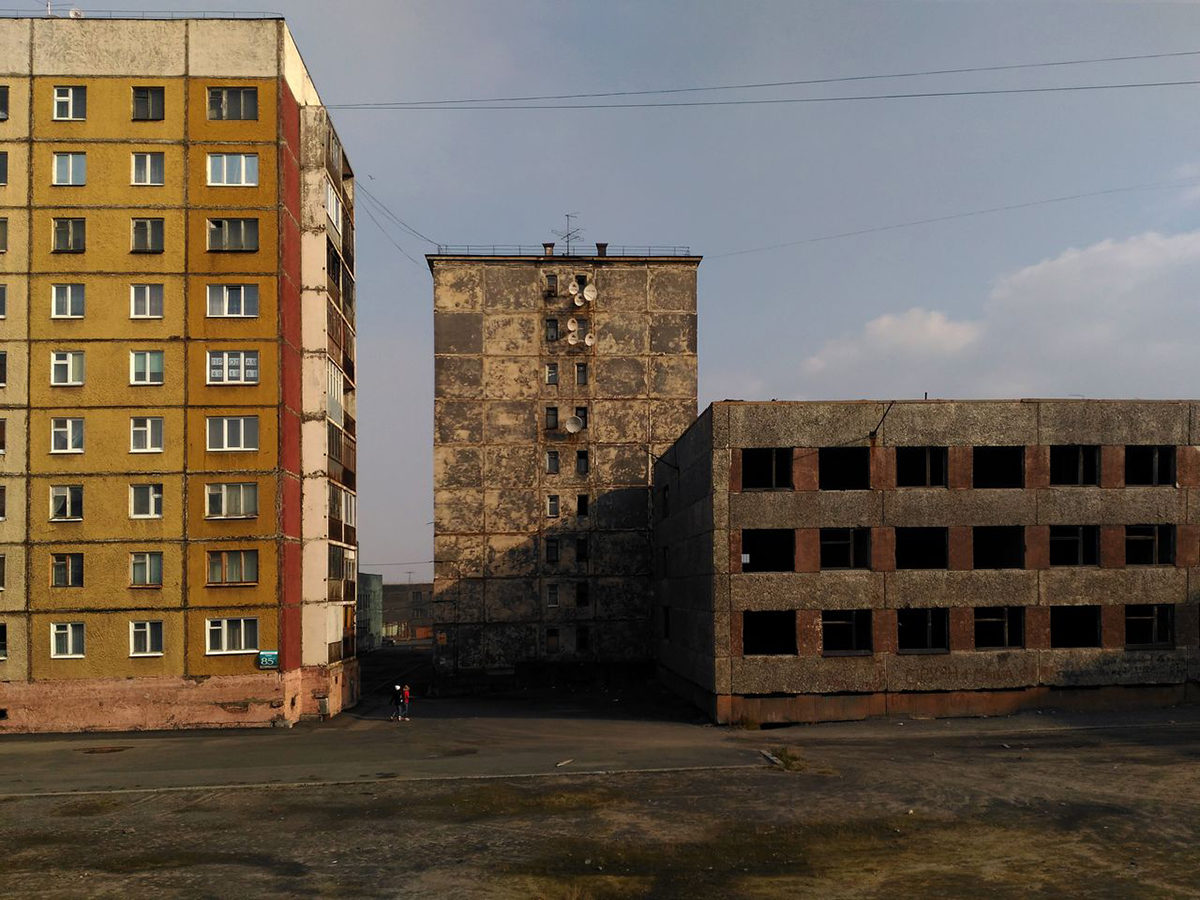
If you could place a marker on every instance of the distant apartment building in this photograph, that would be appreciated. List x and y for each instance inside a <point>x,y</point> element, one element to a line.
<point>558,377</point>
<point>408,612</point>
<point>177,432</point>
<point>369,616</point>
<point>836,560</point>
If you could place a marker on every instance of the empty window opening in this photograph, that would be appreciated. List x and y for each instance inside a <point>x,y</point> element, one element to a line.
<point>551,418</point>
<point>583,639</point>
<point>998,467</point>
<point>551,285</point>
<point>921,466</point>
<point>552,550</point>
<point>1150,625</point>
<point>1149,545</point>
<point>923,630</point>
<point>552,329</point>
<point>922,548</point>
<point>768,550</point>
<point>581,373</point>
<point>581,413</point>
<point>767,469</point>
<point>551,640</point>
<point>845,631</point>
<point>998,546</point>
<point>845,548</point>
<point>1149,465</point>
<point>582,466</point>
<point>844,468</point>
<point>999,627</point>
<point>769,633</point>
<point>582,594</point>
<point>1075,626</point>
<point>1074,545</point>
<point>581,505</point>
<point>1075,464</point>
<point>551,462</point>
<point>581,280</point>
<point>581,550</point>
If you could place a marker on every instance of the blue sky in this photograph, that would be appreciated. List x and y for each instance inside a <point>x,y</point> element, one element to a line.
<point>1094,296</point>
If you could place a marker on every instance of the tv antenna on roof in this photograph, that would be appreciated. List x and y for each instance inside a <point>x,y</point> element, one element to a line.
<point>571,234</point>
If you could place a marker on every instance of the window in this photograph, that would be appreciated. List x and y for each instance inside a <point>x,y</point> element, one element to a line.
<point>921,466</point>
<point>998,467</point>
<point>66,502</point>
<point>552,506</point>
<point>581,373</point>
<point>998,546</point>
<point>3,368</point>
<point>3,102</point>
<point>551,462</point>
<point>145,501</point>
<point>66,570</point>
<point>4,234</point>
<point>3,436</point>
<point>232,301</point>
<point>582,465</point>
<point>232,636</point>
<point>232,566</point>
<point>4,167</point>
<point>233,169</point>
<point>923,630</point>
<point>922,548</point>
<point>999,627</point>
<point>333,203</point>
<point>583,596</point>
<point>148,169</point>
<point>145,301</point>
<point>581,505</point>
<point>552,329</point>
<point>67,301</point>
<point>3,511</point>
<point>1075,464</point>
<point>581,413</point>
<point>768,550</point>
<point>1074,545</point>
<point>1074,626</point>
<point>1149,545</point>
<point>844,468</point>
<point>845,631</point>
<point>70,102</point>
<point>3,633</point>
<point>66,640</point>
<point>1149,465</point>
<point>551,418</point>
<point>552,595</point>
<point>583,639</point>
<point>145,638</point>
<point>146,367</point>
<point>233,235</point>
<point>232,501</point>
<point>845,548</point>
<point>551,640</point>
<point>66,435</point>
<point>233,367</point>
<point>765,469</point>
<point>145,569</point>
<point>551,373</point>
<point>3,301</point>
<point>146,434</point>
<point>70,235</point>
<point>147,236</point>
<point>551,285</point>
<point>581,281</point>
<point>1149,625</point>
<point>582,550</point>
<point>233,103</point>
<point>233,433</point>
<point>551,550</point>
<point>149,104</point>
<point>69,169</point>
<point>769,633</point>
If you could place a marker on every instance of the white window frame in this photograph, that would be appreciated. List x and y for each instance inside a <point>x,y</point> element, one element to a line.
<point>72,498</point>
<point>233,170</point>
<point>70,571</point>
<point>147,630</point>
<point>225,424</point>
<point>145,297</point>
<point>233,231</point>
<point>63,300</point>
<point>75,634</point>
<point>66,368</point>
<point>333,205</point>
<point>143,427</point>
<point>146,559</point>
<point>142,164</point>
<point>225,556</point>
<point>224,93</point>
<point>75,233</point>
<point>153,231</point>
<point>153,498</point>
<point>225,493</point>
<point>69,169</point>
<point>3,301</point>
<point>71,430</point>
<point>222,364</point>
<point>73,98</point>
<point>147,373</point>
<point>224,630</point>
<point>219,299</point>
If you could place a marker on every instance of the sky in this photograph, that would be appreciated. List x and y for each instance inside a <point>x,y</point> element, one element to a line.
<point>1091,296</point>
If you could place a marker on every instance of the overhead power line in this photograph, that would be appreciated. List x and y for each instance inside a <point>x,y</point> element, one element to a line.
<point>391,215</point>
<point>775,84</point>
<point>390,239</point>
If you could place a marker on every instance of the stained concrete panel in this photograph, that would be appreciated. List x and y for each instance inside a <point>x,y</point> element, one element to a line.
<point>513,378</point>
<point>1099,506</point>
<point>670,418</point>
<point>918,588</point>
<point>620,508</point>
<point>503,644</point>
<point>623,334</point>
<point>951,423</point>
<point>622,553</point>
<point>458,556</point>
<point>511,511</point>
<point>673,333</point>
<point>511,288</point>
<point>515,465</point>
<point>1081,585</point>
<point>1113,422</point>
<point>801,425</point>
<point>938,506</point>
<point>806,590</point>
<point>620,598</point>
<point>511,555</point>
<point>619,376</point>
<point>805,509</point>
<point>457,288</point>
<point>1087,667</point>
<point>802,675</point>
<point>510,422</point>
<point>127,47</point>
<point>673,288</point>
<point>458,376</point>
<point>458,467</point>
<point>458,332</point>
<point>460,599</point>
<point>673,376</point>
<point>457,422</point>
<point>950,671</point>
<point>457,511</point>
<point>622,464</point>
<point>14,47</point>
<point>622,289</point>
<point>620,421</point>
<point>251,49</point>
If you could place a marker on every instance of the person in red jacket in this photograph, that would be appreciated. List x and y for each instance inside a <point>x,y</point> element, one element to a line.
<point>405,699</point>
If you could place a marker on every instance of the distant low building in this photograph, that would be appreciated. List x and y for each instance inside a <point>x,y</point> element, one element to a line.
<point>407,612</point>
<point>369,620</point>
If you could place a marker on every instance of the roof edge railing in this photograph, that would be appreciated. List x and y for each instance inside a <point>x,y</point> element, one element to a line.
<point>589,250</point>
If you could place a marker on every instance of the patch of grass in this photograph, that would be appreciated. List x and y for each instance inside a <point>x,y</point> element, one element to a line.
<point>89,806</point>
<point>792,761</point>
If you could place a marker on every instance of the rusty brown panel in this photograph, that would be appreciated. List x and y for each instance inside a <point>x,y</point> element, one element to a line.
<point>808,632</point>
<point>962,628</point>
<point>1037,546</point>
<point>1037,628</point>
<point>808,550</point>
<point>1112,626</point>
<point>1037,466</point>
<point>1112,466</point>
<point>883,468</point>
<point>1188,466</point>
<point>735,551</point>
<point>961,548</point>
<point>805,475</point>
<point>1112,546</point>
<point>883,549</point>
<point>960,468</point>
<point>1187,546</point>
<point>883,630</point>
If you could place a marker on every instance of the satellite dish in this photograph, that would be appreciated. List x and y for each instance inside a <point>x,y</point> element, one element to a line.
<point>579,301</point>
<point>573,289</point>
<point>573,424</point>
<point>572,324</point>
<point>76,13</point>
<point>572,338</point>
<point>590,340</point>
<point>589,293</point>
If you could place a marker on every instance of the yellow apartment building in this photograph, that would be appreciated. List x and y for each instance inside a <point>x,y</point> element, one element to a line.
<point>177,399</point>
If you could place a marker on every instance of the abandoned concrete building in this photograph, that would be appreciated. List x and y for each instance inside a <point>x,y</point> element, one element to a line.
<point>837,560</point>
<point>557,375</point>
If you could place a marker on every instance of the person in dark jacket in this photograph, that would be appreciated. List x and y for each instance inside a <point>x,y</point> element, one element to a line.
<point>398,703</point>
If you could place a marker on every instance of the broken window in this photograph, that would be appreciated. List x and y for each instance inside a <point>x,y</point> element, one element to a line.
<point>921,466</point>
<point>551,285</point>
<point>552,506</point>
<point>923,630</point>
<point>845,548</point>
<point>581,415</point>
<point>583,639</point>
<point>998,467</point>
<point>1074,545</point>
<point>998,546</point>
<point>1150,625</point>
<point>582,466</point>
<point>581,505</point>
<point>844,468</point>
<point>1149,545</point>
<point>551,462</point>
<point>1075,464</point>
<point>551,418</point>
<point>999,627</point>
<point>581,549</point>
<point>551,640</point>
<point>845,631</point>
<point>768,550</point>
<point>922,548</point>
<point>1149,465</point>
<point>551,373</point>
<point>551,550</point>
<point>1075,626</point>
<point>767,468</point>
<point>769,633</point>
<point>552,329</point>
<point>582,595</point>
